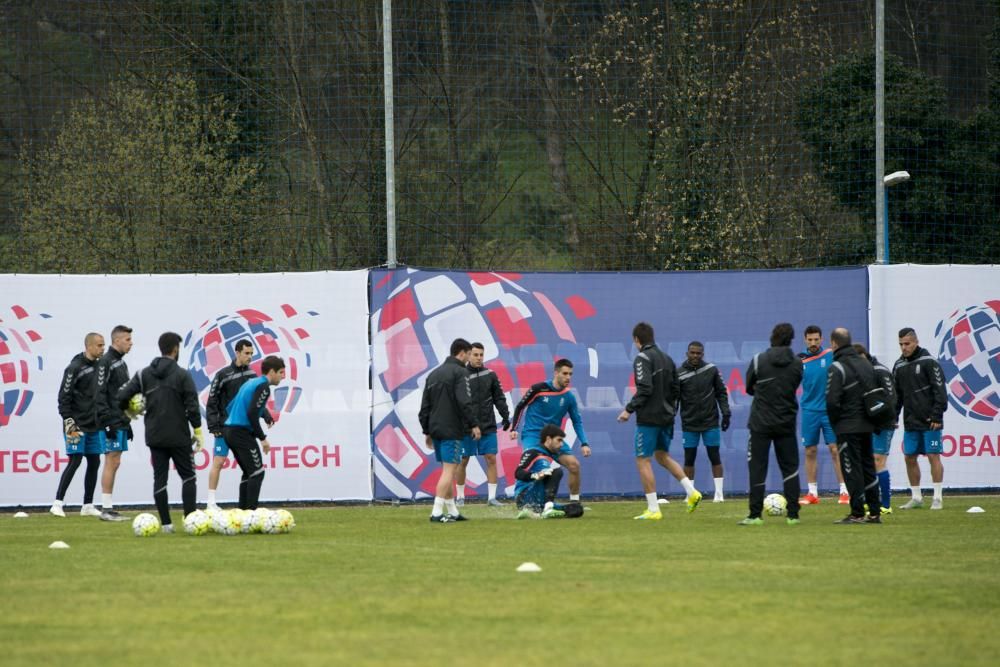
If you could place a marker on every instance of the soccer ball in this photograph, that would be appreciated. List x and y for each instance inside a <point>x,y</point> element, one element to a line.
<point>258,519</point>
<point>775,504</point>
<point>145,525</point>
<point>241,520</point>
<point>197,523</point>
<point>222,522</point>
<point>284,521</point>
<point>136,406</point>
<point>269,524</point>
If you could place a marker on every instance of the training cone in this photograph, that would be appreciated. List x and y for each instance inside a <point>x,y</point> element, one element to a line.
<point>58,544</point>
<point>528,567</point>
<point>21,515</point>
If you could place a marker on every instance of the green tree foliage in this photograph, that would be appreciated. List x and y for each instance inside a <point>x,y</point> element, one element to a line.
<point>715,181</point>
<point>143,180</point>
<point>947,212</point>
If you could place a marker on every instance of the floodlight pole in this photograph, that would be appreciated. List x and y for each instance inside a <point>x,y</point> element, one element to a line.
<point>390,138</point>
<point>881,205</point>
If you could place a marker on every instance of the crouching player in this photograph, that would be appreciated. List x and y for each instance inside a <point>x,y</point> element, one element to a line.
<point>538,475</point>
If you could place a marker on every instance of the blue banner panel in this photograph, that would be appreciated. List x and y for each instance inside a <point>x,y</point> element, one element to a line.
<point>526,321</point>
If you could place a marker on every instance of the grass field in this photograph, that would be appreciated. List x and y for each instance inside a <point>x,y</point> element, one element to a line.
<point>382,586</point>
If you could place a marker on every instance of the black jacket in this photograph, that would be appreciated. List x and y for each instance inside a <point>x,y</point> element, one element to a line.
<point>884,377</point>
<point>486,393</point>
<point>773,377</point>
<point>920,390</point>
<point>846,379</point>
<point>171,403</point>
<point>225,385</point>
<point>702,395</point>
<point>446,411</point>
<point>112,375</point>
<point>656,387</point>
<point>78,393</point>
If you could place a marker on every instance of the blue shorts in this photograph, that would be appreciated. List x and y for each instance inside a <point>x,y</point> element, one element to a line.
<point>117,443</point>
<point>711,438</point>
<point>221,448</point>
<point>814,423</point>
<point>89,443</point>
<point>533,443</point>
<point>881,442</point>
<point>922,442</point>
<point>648,439</point>
<point>487,444</point>
<point>448,451</point>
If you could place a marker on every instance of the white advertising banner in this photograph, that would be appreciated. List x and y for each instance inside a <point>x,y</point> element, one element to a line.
<point>955,311</point>
<point>316,321</point>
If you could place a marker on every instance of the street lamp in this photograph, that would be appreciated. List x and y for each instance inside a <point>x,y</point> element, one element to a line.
<point>895,178</point>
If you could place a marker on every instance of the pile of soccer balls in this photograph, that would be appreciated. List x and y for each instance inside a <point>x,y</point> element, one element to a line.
<point>223,522</point>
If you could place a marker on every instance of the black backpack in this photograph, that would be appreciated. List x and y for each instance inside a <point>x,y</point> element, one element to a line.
<point>880,403</point>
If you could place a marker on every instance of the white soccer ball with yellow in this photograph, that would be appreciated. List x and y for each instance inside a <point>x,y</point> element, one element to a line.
<point>284,521</point>
<point>145,525</point>
<point>775,504</point>
<point>222,523</point>
<point>197,523</point>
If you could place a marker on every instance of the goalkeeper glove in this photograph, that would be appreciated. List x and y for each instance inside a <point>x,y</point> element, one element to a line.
<point>71,431</point>
<point>725,422</point>
<point>197,440</point>
<point>505,425</point>
<point>542,473</point>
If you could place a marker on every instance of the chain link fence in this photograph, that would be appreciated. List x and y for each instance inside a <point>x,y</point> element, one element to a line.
<point>216,136</point>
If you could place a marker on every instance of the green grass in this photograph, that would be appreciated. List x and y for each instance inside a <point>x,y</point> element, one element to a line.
<point>382,586</point>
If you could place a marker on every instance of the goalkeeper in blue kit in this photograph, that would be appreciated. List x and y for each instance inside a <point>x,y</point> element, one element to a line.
<point>538,476</point>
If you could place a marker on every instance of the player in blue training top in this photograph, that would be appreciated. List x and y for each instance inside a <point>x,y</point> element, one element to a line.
<point>549,403</point>
<point>815,363</point>
<point>242,429</point>
<point>538,475</point>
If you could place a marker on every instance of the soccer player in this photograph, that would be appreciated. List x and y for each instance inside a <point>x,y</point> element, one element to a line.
<point>847,380</point>
<point>656,393</point>
<point>772,379</point>
<point>486,393</point>
<point>241,429</point>
<point>882,440</point>
<point>815,362</point>
<point>538,475</point>
<point>171,405</point>
<point>703,396</point>
<point>921,396</point>
<point>549,403</point>
<point>446,416</point>
<point>112,374</point>
<point>81,424</point>
<point>225,385</point>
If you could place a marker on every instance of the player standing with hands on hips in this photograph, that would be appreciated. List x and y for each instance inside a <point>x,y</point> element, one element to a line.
<point>171,402</point>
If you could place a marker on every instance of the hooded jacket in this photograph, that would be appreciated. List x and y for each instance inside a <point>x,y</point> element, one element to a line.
<point>112,375</point>
<point>171,403</point>
<point>846,380</point>
<point>486,393</point>
<point>773,377</point>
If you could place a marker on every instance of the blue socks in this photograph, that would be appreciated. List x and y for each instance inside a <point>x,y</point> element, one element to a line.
<point>884,489</point>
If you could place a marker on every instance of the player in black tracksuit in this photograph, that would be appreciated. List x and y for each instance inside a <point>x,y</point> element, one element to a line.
<point>703,396</point>
<point>81,425</point>
<point>223,390</point>
<point>922,399</point>
<point>772,379</point>
<point>446,417</point>
<point>846,379</point>
<point>112,374</point>
<point>171,405</point>
<point>487,394</point>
